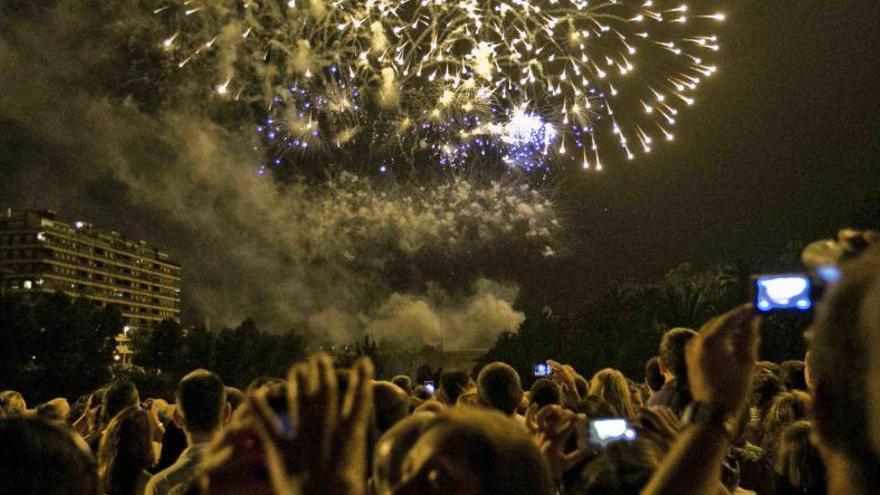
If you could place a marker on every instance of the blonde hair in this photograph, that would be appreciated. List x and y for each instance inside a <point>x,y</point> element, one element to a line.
<point>612,386</point>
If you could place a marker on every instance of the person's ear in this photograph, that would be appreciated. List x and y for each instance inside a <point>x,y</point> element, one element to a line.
<point>177,417</point>
<point>227,412</point>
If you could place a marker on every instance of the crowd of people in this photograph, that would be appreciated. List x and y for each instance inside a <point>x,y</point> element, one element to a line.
<point>707,418</point>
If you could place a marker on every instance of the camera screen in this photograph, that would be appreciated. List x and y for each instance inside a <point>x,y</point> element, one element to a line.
<point>429,388</point>
<point>542,369</point>
<point>783,292</point>
<point>607,431</point>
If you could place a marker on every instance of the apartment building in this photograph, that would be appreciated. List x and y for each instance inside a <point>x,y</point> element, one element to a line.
<point>41,253</point>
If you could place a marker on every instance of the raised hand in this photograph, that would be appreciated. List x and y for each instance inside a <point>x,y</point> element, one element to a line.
<point>721,358</point>
<point>551,426</point>
<point>563,375</point>
<point>326,450</point>
<point>317,448</point>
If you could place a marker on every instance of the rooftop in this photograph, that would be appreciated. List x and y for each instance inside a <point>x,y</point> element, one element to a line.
<point>11,219</point>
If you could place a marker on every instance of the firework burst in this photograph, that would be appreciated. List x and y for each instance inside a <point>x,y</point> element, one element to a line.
<point>453,79</point>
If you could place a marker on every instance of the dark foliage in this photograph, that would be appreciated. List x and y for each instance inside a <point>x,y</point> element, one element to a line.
<point>622,328</point>
<point>56,345</point>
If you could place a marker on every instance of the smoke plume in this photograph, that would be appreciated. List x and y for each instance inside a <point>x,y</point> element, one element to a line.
<point>90,127</point>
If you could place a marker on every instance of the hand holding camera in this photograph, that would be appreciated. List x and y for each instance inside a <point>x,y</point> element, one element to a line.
<point>720,359</point>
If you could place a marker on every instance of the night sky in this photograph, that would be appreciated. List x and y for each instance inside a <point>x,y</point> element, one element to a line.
<point>783,145</point>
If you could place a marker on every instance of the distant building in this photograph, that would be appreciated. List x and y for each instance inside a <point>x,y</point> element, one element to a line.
<point>39,253</point>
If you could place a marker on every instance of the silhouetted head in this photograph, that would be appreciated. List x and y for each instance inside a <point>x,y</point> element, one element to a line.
<point>671,357</point>
<point>390,405</point>
<point>765,387</point>
<point>119,395</point>
<point>623,468</point>
<point>544,392</point>
<point>499,387</point>
<point>452,384</point>
<point>38,457</point>
<point>404,382</point>
<point>201,401</point>
<point>792,375</point>
<point>767,367</point>
<point>471,451</point>
<point>392,448</point>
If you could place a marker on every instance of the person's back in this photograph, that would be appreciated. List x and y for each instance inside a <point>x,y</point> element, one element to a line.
<point>200,412</point>
<point>40,458</point>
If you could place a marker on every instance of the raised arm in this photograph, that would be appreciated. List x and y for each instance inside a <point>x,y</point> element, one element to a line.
<point>720,361</point>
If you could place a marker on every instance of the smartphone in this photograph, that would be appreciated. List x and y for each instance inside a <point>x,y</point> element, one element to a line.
<point>542,369</point>
<point>606,431</point>
<point>429,387</point>
<point>787,291</point>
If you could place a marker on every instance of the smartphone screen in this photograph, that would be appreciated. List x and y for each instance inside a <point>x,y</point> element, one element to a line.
<point>783,292</point>
<point>606,431</point>
<point>429,387</point>
<point>542,369</point>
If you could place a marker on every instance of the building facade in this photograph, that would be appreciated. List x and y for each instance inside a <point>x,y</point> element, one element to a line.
<point>40,253</point>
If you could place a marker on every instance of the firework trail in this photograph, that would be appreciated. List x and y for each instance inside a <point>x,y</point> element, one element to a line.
<point>534,84</point>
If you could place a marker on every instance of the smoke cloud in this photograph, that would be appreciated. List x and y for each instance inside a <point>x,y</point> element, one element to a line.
<point>88,129</point>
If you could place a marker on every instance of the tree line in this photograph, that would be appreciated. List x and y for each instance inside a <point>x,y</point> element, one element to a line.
<point>58,345</point>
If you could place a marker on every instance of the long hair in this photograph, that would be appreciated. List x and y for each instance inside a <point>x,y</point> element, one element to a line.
<point>125,451</point>
<point>612,386</point>
<point>798,462</point>
<point>787,408</point>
